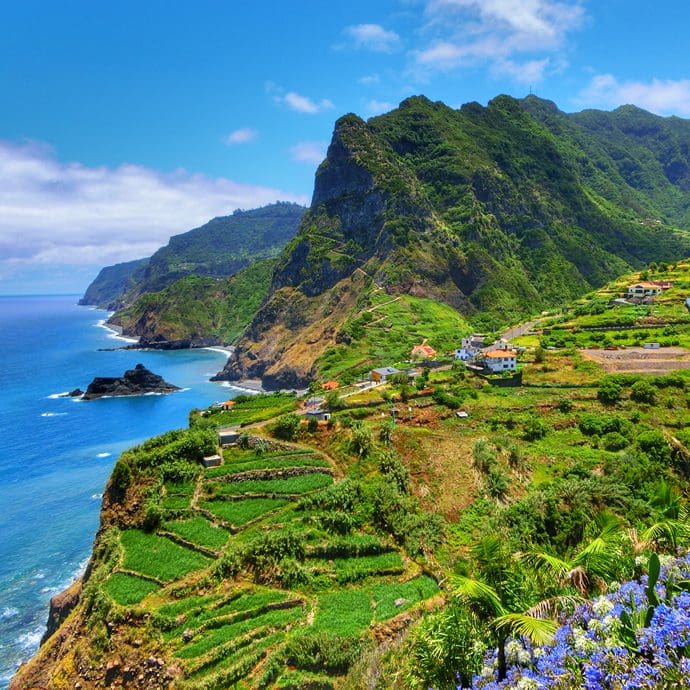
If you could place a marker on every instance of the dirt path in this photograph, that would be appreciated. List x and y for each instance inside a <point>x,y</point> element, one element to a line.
<point>638,360</point>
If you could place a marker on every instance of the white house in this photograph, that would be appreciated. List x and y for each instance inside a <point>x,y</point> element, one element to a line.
<point>647,289</point>
<point>382,374</point>
<point>500,360</point>
<point>471,346</point>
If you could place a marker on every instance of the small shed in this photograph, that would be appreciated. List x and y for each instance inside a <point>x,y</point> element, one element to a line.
<point>212,461</point>
<point>319,415</point>
<point>651,346</point>
<point>228,437</point>
<point>382,374</point>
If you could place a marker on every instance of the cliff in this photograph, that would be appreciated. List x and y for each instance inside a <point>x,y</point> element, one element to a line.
<point>216,249</point>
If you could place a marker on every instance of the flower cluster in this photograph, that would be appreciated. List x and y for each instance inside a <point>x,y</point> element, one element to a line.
<point>620,641</point>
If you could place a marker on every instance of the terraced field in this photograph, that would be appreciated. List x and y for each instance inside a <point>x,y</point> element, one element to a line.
<point>239,603</point>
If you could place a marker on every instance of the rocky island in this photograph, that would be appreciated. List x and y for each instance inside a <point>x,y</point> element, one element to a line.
<point>137,381</point>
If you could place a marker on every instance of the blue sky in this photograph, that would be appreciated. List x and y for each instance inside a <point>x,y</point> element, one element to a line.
<point>123,123</point>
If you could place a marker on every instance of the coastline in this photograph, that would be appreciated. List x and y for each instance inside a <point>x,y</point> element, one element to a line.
<point>115,332</point>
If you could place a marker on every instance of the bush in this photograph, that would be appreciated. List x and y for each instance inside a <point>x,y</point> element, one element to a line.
<point>483,455</point>
<point>565,405</point>
<point>535,429</point>
<point>610,391</point>
<point>391,465</point>
<point>121,477</point>
<point>361,440</point>
<point>287,426</point>
<point>614,441</point>
<point>654,445</point>
<point>322,652</point>
<point>643,392</point>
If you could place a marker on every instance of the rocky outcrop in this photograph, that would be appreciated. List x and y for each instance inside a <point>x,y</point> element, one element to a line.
<point>137,381</point>
<point>61,605</point>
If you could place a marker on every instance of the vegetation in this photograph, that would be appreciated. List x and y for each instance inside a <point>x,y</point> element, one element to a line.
<point>217,249</point>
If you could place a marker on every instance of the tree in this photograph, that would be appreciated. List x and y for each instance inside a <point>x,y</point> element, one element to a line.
<point>609,391</point>
<point>287,426</point>
<point>498,597</point>
<point>361,439</point>
<point>642,391</point>
<point>591,566</point>
<point>673,525</point>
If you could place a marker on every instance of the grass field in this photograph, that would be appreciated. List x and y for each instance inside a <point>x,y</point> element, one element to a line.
<point>265,464</point>
<point>293,485</point>
<point>385,595</point>
<point>241,512</point>
<point>158,557</point>
<point>128,589</point>
<point>345,612</point>
<point>200,531</point>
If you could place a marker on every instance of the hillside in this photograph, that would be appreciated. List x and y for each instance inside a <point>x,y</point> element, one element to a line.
<point>111,283</point>
<point>217,249</point>
<point>197,311</point>
<point>362,552</point>
<point>499,212</point>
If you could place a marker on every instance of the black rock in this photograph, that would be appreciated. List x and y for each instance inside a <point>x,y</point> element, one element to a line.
<point>76,393</point>
<point>137,381</point>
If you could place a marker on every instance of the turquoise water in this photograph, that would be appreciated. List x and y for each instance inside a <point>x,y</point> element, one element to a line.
<point>56,453</point>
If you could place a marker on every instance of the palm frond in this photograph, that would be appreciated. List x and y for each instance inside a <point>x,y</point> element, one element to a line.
<point>538,630</point>
<point>477,591</point>
<point>540,562</point>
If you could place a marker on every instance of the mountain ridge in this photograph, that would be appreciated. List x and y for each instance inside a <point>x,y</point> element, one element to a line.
<point>499,211</point>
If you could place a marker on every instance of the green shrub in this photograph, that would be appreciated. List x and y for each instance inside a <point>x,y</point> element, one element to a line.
<point>643,392</point>
<point>535,429</point>
<point>614,441</point>
<point>286,427</point>
<point>333,654</point>
<point>610,391</point>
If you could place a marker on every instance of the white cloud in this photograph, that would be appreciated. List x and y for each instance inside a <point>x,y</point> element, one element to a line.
<point>373,37</point>
<point>296,101</point>
<point>369,80</point>
<point>53,212</point>
<point>241,136</point>
<point>312,152</point>
<point>374,107</point>
<point>467,33</point>
<point>662,96</point>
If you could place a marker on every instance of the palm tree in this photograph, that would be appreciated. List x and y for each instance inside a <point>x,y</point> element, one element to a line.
<point>673,527</point>
<point>498,596</point>
<point>591,567</point>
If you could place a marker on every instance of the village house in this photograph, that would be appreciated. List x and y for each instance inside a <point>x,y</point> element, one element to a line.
<point>329,385</point>
<point>499,360</point>
<point>382,374</point>
<point>318,415</point>
<point>647,289</point>
<point>423,351</point>
<point>471,347</point>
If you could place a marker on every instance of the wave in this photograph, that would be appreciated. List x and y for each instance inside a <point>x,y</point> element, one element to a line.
<point>242,389</point>
<point>8,612</point>
<point>96,497</point>
<point>114,333</point>
<point>53,414</point>
<point>54,396</point>
<point>222,350</point>
<point>30,640</point>
<point>103,455</point>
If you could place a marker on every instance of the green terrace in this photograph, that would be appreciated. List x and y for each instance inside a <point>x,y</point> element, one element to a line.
<point>246,576</point>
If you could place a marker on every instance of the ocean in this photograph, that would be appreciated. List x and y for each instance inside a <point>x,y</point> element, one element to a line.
<point>57,453</point>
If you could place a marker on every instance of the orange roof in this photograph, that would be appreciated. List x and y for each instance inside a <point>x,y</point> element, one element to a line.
<point>499,354</point>
<point>330,385</point>
<point>424,349</point>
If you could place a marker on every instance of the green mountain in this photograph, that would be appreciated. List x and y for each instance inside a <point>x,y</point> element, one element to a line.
<point>498,211</point>
<point>112,282</point>
<point>217,249</point>
<point>197,311</point>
